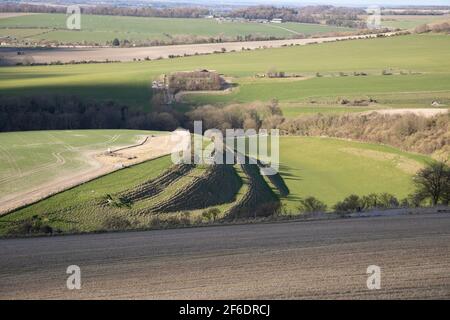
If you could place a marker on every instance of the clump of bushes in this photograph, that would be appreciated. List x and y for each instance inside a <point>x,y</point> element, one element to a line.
<point>34,225</point>
<point>350,204</point>
<point>354,203</point>
<point>311,205</point>
<point>254,116</point>
<point>436,28</point>
<point>211,214</point>
<point>116,223</point>
<point>407,132</point>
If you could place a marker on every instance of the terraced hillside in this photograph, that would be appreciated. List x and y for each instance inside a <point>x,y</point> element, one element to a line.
<point>180,194</point>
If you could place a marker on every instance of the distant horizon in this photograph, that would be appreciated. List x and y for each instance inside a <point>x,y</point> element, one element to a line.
<point>348,3</point>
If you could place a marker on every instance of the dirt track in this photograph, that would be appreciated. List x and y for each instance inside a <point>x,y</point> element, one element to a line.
<point>317,259</point>
<point>429,112</point>
<point>47,55</point>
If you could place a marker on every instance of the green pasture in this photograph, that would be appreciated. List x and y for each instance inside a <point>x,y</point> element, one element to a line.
<point>98,29</point>
<point>423,59</point>
<point>331,169</point>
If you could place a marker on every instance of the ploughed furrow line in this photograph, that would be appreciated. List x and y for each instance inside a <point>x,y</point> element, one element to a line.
<point>218,185</point>
<point>156,186</point>
<point>259,200</point>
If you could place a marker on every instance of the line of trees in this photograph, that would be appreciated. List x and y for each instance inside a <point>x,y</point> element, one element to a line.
<point>414,12</point>
<point>408,132</point>
<point>63,112</point>
<point>167,12</point>
<point>339,16</point>
<point>435,28</point>
<point>59,112</point>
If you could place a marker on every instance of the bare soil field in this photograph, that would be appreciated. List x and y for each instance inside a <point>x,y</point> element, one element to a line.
<point>431,112</point>
<point>66,55</point>
<point>100,164</point>
<point>294,260</point>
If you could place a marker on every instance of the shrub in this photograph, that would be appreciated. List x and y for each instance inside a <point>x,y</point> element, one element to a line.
<point>386,200</point>
<point>211,214</point>
<point>268,209</point>
<point>311,205</point>
<point>155,222</point>
<point>369,201</point>
<point>172,221</point>
<point>350,204</point>
<point>33,225</point>
<point>185,218</point>
<point>116,223</point>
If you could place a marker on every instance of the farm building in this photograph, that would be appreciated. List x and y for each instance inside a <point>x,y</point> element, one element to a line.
<point>194,81</point>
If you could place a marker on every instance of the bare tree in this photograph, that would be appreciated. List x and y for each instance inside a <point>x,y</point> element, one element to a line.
<point>433,182</point>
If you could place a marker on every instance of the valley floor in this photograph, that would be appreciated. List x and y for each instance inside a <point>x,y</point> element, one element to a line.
<point>316,259</point>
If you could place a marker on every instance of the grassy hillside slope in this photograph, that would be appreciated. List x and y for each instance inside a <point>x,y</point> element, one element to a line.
<point>97,29</point>
<point>331,169</point>
<point>423,59</point>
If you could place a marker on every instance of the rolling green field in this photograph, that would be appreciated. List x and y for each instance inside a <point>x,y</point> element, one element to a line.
<point>423,59</point>
<point>331,87</point>
<point>30,159</point>
<point>331,169</point>
<point>328,169</point>
<point>96,29</point>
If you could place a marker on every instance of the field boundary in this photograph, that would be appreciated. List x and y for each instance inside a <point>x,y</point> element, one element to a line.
<point>321,217</point>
